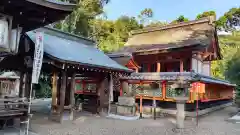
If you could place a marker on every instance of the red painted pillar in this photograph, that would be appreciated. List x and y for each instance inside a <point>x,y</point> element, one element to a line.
<point>149,67</point>
<point>164,89</point>
<point>181,66</point>
<point>121,90</point>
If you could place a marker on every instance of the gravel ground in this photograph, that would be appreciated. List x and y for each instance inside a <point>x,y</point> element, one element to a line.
<point>213,124</point>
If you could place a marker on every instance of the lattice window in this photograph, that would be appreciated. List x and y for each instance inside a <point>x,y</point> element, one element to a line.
<point>170,92</point>
<point>148,89</point>
<point>79,87</point>
<point>116,82</point>
<point>136,88</point>
<point>91,87</point>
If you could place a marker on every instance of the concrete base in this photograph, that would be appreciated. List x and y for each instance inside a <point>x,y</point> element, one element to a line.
<point>122,117</point>
<point>200,113</point>
<point>126,110</point>
<point>180,114</point>
<point>66,116</point>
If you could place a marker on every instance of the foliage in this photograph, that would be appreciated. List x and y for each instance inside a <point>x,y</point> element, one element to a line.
<point>206,14</point>
<point>181,18</point>
<point>43,88</point>
<point>229,45</point>
<point>156,24</point>
<point>111,35</point>
<point>145,14</point>
<point>233,68</point>
<point>233,17</point>
<point>230,20</point>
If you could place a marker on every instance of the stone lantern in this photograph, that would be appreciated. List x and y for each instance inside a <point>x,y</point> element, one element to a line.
<point>181,87</point>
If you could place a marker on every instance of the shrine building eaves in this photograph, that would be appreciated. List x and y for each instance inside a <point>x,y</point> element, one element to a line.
<point>66,48</point>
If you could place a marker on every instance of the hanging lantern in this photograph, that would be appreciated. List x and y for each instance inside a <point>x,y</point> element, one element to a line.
<point>9,38</point>
<point>4,36</point>
<point>15,39</point>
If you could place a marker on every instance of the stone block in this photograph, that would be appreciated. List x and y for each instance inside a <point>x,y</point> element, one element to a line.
<point>127,101</point>
<point>126,110</point>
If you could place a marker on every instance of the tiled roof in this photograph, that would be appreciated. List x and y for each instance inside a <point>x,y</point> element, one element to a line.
<point>79,51</point>
<point>172,76</point>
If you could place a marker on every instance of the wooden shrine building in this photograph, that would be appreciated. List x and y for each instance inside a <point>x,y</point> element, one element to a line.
<point>163,54</point>
<point>77,68</point>
<point>24,16</point>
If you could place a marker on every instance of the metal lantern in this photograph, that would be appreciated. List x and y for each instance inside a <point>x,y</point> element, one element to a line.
<point>4,34</point>
<point>9,38</point>
<point>15,39</point>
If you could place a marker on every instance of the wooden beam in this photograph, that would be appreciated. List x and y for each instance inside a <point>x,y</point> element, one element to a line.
<point>149,67</point>
<point>121,89</point>
<point>54,91</point>
<point>164,89</point>
<point>21,93</point>
<point>141,107</point>
<point>62,93</point>
<point>136,70</point>
<point>72,99</point>
<point>181,66</point>
<point>158,67</point>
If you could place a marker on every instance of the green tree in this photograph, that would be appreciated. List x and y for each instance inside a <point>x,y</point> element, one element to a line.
<point>229,45</point>
<point>206,14</point>
<point>181,18</point>
<point>145,15</point>
<point>230,20</point>
<point>111,35</point>
<point>156,24</point>
<point>233,17</point>
<point>79,21</point>
<point>233,68</point>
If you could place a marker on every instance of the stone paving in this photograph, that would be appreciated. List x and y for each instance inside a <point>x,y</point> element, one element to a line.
<point>213,124</point>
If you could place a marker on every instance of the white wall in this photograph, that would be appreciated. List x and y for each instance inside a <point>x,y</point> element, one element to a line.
<point>197,65</point>
<point>206,68</point>
<point>194,65</point>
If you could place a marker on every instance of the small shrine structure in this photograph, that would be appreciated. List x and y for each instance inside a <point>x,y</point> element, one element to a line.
<point>75,72</point>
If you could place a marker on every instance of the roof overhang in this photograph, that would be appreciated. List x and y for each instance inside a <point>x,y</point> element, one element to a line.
<point>31,14</point>
<point>73,50</point>
<point>174,76</point>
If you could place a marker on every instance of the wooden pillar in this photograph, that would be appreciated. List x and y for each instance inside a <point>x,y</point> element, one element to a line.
<point>54,91</point>
<point>158,67</point>
<point>72,98</point>
<point>181,66</point>
<point>164,89</point>
<point>27,84</point>
<point>102,96</point>
<point>149,67</point>
<point>136,70</point>
<point>21,93</point>
<point>121,89</point>
<point>62,93</point>
<point>59,81</point>
<point>141,107</point>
